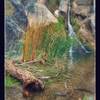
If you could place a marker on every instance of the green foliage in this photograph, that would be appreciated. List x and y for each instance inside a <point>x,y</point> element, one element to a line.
<point>85,98</point>
<point>60,26</point>
<point>48,82</point>
<point>54,40</point>
<point>10,81</point>
<point>75,24</point>
<point>71,41</point>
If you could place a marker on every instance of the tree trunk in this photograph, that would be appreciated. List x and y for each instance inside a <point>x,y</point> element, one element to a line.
<point>30,83</point>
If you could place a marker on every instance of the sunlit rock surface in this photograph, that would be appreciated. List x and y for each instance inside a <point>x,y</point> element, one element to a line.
<point>41,15</point>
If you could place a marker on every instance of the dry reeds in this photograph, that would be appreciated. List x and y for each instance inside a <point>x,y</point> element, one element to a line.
<point>31,41</point>
<point>49,39</point>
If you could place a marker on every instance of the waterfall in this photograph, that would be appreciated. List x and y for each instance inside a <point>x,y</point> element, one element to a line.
<point>71,55</point>
<point>71,36</point>
<point>71,30</point>
<point>93,21</point>
<point>94,6</point>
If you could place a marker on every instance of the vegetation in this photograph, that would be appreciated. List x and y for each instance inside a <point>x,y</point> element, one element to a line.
<point>50,39</point>
<point>54,41</point>
<point>75,24</point>
<point>53,4</point>
<point>10,81</point>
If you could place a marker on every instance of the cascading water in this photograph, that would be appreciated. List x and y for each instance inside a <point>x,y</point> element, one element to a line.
<point>70,28</point>
<point>94,6</point>
<point>71,36</point>
<point>71,31</point>
<point>93,20</point>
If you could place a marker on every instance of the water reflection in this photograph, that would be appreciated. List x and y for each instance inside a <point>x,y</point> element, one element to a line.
<point>75,55</point>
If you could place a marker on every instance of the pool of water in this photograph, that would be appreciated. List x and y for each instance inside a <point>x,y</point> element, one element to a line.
<point>81,70</point>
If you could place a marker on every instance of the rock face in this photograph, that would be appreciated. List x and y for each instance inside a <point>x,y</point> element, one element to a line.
<point>63,5</point>
<point>84,2</point>
<point>85,9</point>
<point>82,7</point>
<point>15,25</point>
<point>13,33</point>
<point>41,15</point>
<point>26,12</point>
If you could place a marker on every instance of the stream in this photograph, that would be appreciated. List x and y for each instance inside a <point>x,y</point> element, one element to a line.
<point>78,73</point>
<point>82,76</point>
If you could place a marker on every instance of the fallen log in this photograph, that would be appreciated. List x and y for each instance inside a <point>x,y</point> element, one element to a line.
<point>30,83</point>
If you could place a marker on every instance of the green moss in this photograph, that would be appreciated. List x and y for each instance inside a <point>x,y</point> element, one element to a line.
<point>85,98</point>
<point>48,82</point>
<point>10,81</point>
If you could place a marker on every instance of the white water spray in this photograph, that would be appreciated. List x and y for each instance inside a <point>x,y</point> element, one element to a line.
<point>72,35</point>
<point>94,6</point>
<point>71,30</point>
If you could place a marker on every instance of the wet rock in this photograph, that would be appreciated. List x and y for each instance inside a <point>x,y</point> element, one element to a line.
<point>15,25</point>
<point>87,38</point>
<point>19,13</point>
<point>12,33</point>
<point>28,5</point>
<point>82,10</point>
<point>63,5</point>
<point>62,10</point>
<point>84,2</point>
<point>92,23</point>
<point>87,30</point>
<point>82,7</point>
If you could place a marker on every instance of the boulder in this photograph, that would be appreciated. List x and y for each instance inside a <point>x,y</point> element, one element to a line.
<point>12,33</point>
<point>87,36</point>
<point>82,10</point>
<point>63,5</point>
<point>41,15</point>
<point>84,2</point>
<point>25,13</point>
<point>82,7</point>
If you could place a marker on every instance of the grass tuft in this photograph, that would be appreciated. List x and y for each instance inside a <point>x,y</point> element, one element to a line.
<point>10,81</point>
